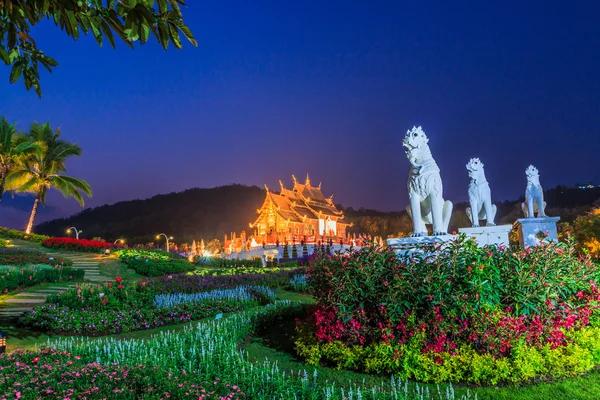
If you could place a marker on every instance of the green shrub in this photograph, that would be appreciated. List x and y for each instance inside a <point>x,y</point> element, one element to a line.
<point>15,234</point>
<point>524,363</point>
<point>12,278</point>
<point>212,262</point>
<point>158,267</point>
<point>3,243</point>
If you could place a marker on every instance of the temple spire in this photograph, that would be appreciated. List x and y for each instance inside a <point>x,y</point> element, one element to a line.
<point>266,188</point>
<point>295,181</point>
<point>307,180</point>
<point>281,185</point>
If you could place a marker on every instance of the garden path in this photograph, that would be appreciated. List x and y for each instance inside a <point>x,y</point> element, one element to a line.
<point>26,300</point>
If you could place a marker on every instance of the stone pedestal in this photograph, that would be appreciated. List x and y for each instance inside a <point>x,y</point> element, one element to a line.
<point>494,235</point>
<point>532,231</point>
<point>406,246</point>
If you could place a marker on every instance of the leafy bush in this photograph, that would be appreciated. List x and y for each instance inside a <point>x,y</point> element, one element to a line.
<point>12,278</point>
<point>3,243</point>
<point>212,262</point>
<point>85,245</point>
<point>154,262</point>
<point>15,234</point>
<point>19,257</point>
<point>158,267</point>
<point>59,375</point>
<point>450,299</point>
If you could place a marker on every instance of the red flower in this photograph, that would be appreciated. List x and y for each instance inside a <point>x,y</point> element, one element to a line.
<point>118,279</point>
<point>469,269</point>
<point>109,284</point>
<point>120,286</point>
<point>36,360</point>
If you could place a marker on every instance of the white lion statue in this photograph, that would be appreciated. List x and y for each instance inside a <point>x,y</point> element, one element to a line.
<point>427,205</point>
<point>480,195</point>
<point>534,195</point>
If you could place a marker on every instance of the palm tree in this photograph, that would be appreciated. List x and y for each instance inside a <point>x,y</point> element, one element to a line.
<point>12,146</point>
<point>43,169</point>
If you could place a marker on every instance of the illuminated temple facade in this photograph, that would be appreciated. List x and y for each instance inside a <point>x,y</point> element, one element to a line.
<point>299,214</point>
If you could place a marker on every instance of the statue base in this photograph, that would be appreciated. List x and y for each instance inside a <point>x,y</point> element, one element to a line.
<point>534,231</point>
<point>406,246</point>
<point>489,235</point>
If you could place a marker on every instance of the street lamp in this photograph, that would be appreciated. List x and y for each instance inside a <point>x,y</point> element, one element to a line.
<point>119,240</point>
<point>76,232</point>
<point>2,343</point>
<point>167,238</point>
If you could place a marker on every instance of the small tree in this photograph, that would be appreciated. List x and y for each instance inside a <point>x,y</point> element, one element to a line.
<point>294,251</point>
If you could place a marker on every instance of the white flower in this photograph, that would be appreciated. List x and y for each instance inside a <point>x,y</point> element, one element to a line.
<point>101,295</point>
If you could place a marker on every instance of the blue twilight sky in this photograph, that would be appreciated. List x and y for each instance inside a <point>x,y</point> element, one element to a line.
<point>329,88</point>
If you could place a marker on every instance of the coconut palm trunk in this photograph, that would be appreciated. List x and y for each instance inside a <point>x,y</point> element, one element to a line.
<point>36,203</point>
<point>2,183</point>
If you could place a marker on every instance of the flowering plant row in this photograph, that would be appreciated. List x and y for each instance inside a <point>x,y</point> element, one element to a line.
<point>84,245</point>
<point>12,278</point>
<point>118,307</point>
<point>448,301</point>
<point>50,374</point>
<point>20,257</point>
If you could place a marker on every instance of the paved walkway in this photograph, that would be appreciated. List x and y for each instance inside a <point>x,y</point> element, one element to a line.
<point>26,300</point>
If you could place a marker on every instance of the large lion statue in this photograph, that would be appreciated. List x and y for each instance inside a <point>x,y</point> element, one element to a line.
<point>534,195</point>
<point>427,205</point>
<point>480,195</point>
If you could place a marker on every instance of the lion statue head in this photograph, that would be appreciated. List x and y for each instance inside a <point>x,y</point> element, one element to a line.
<point>474,166</point>
<point>415,138</point>
<point>532,173</point>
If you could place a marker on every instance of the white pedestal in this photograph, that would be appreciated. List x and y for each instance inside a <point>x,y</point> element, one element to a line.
<point>406,246</point>
<point>533,231</point>
<point>494,235</point>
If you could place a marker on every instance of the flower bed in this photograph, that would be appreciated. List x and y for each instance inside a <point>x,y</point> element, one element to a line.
<point>50,374</point>
<point>462,313</point>
<point>12,278</point>
<point>215,346</point>
<point>19,257</point>
<point>72,244</point>
<point>114,308</point>
<point>15,234</point>
<point>184,283</point>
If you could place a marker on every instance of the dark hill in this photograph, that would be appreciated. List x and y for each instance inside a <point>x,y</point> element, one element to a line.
<point>189,215</point>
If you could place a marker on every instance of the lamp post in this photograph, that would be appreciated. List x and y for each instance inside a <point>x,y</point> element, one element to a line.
<point>76,232</point>
<point>167,238</point>
<point>119,240</point>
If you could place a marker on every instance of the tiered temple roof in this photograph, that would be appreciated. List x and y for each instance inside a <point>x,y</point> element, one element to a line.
<point>300,203</point>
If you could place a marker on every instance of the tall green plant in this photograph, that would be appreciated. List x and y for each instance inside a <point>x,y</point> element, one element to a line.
<point>44,169</point>
<point>13,146</point>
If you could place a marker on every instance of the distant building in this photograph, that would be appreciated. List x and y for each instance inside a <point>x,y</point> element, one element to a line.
<point>297,214</point>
